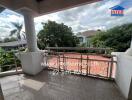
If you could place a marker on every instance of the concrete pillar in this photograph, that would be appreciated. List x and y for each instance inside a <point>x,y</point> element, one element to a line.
<point>31,61</point>
<point>30,31</point>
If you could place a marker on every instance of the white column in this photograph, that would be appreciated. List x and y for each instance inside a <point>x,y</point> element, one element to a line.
<point>31,61</point>
<point>30,31</point>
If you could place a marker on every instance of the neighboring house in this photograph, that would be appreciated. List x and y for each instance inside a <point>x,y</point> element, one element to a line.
<point>85,37</point>
<point>13,45</point>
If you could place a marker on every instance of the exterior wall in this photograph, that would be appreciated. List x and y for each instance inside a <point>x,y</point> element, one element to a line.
<point>124,73</point>
<point>86,40</point>
<point>83,39</point>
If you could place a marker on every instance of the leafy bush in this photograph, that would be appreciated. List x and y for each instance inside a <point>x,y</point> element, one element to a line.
<point>117,38</point>
<point>7,60</point>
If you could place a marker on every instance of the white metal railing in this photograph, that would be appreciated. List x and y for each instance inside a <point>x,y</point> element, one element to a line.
<point>80,61</point>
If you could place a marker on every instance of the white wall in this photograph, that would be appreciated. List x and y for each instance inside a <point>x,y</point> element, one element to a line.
<point>83,37</point>
<point>124,73</point>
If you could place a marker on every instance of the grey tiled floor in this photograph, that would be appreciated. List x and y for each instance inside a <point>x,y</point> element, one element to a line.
<point>53,86</point>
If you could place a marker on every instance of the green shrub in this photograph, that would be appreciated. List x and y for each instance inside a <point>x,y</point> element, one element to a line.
<point>7,60</point>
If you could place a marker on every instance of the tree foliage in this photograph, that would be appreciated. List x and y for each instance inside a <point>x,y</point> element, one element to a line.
<point>17,30</point>
<point>6,59</point>
<point>56,35</point>
<point>117,38</point>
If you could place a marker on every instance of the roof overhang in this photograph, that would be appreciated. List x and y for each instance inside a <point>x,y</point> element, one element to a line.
<point>41,7</point>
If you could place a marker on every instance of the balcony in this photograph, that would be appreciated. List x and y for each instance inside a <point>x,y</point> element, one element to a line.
<point>70,74</point>
<point>89,81</point>
<point>51,85</point>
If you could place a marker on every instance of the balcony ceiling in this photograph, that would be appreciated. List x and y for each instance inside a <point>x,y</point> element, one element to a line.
<point>41,7</point>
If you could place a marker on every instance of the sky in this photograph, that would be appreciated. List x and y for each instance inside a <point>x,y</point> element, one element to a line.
<point>88,17</point>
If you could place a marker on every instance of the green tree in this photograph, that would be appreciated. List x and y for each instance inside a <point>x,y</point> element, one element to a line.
<point>56,35</point>
<point>17,30</point>
<point>98,40</point>
<point>117,38</point>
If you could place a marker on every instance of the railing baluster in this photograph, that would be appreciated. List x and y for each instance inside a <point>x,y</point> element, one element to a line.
<point>87,65</point>
<point>107,69</point>
<point>59,62</point>
<point>15,62</point>
<point>78,65</point>
<point>63,62</point>
<point>89,70</point>
<point>111,67</point>
<point>81,64</point>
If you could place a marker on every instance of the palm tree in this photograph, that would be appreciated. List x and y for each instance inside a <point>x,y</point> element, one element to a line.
<point>17,30</point>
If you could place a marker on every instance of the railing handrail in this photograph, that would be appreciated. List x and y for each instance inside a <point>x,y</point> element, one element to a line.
<point>86,59</point>
<point>76,48</point>
<point>107,55</point>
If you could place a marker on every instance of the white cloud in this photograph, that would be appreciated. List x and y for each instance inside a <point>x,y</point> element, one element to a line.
<point>128,12</point>
<point>6,18</point>
<point>88,17</point>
